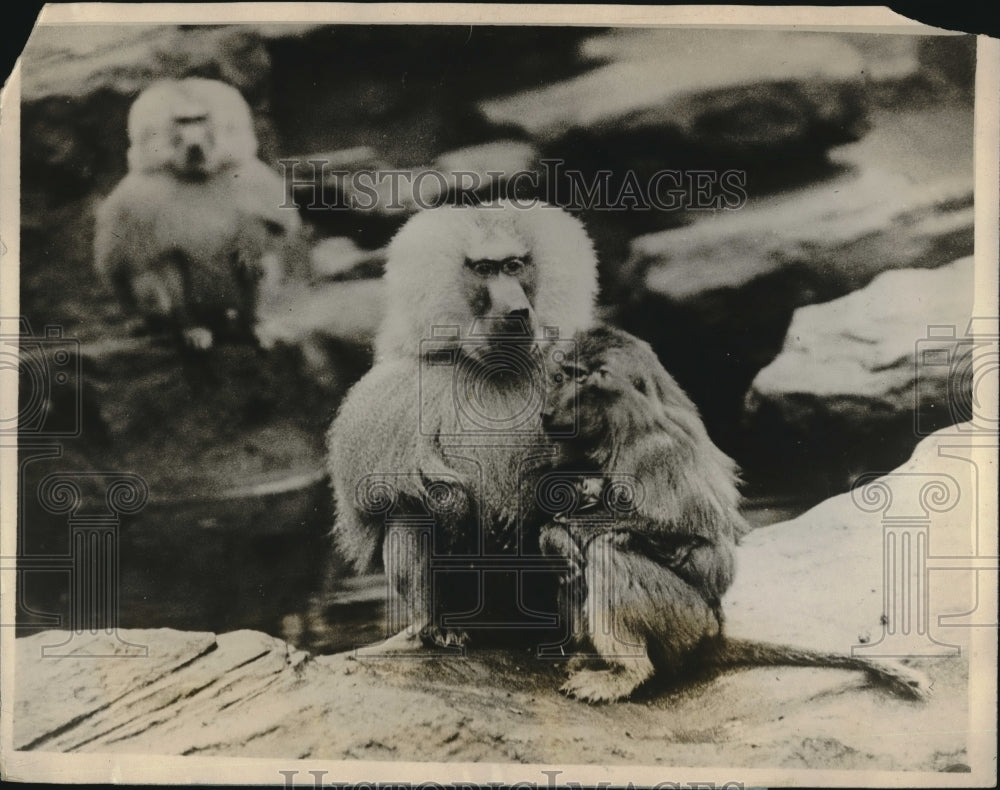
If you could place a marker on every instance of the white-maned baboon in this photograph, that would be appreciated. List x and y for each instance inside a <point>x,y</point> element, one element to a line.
<point>430,450</point>
<point>653,533</point>
<point>196,231</point>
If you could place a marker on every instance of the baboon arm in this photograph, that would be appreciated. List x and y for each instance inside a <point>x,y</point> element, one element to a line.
<point>709,566</point>
<point>263,194</point>
<point>685,489</point>
<point>111,252</point>
<point>377,439</point>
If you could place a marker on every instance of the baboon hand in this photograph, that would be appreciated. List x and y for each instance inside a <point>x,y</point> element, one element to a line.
<point>555,540</point>
<point>435,636</point>
<point>444,494</point>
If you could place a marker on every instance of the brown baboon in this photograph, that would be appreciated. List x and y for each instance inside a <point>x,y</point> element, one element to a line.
<point>653,534</point>
<point>447,424</point>
<point>196,230</point>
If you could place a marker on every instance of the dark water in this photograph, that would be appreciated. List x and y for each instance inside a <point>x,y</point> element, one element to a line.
<point>264,563</point>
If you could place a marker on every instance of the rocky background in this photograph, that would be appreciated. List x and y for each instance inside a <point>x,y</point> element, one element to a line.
<point>795,322</point>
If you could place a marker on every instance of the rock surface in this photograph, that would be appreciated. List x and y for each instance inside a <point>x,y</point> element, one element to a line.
<point>815,581</point>
<point>856,356</point>
<point>368,198</point>
<point>871,369</point>
<point>716,297</point>
<point>830,238</point>
<point>344,312</point>
<point>339,258</point>
<point>640,59</point>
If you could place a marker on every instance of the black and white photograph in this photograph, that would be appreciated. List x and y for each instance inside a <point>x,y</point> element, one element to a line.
<point>478,395</point>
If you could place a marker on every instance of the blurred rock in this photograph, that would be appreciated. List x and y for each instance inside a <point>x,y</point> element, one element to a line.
<point>230,443</point>
<point>346,312</point>
<point>829,238</point>
<point>359,195</point>
<point>339,258</point>
<point>489,161</point>
<point>715,298</point>
<point>204,424</point>
<point>950,60</point>
<point>947,69</point>
<point>69,63</point>
<point>233,422</point>
<point>855,372</point>
<point>642,59</point>
<point>410,92</point>
<point>489,171</point>
<point>766,106</point>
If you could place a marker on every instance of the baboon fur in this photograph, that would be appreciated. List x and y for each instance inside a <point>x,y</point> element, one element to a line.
<point>646,593</point>
<point>402,425</point>
<point>195,232</point>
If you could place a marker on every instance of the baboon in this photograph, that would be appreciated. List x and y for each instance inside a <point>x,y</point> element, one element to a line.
<point>195,232</point>
<point>652,536</point>
<point>447,424</point>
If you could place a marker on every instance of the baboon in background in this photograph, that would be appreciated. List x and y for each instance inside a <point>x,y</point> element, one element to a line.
<point>195,232</point>
<point>654,533</point>
<point>448,421</point>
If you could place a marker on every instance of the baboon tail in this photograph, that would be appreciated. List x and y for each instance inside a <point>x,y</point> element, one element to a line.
<point>902,680</point>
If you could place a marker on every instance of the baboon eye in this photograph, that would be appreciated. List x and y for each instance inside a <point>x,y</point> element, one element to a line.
<point>640,385</point>
<point>513,266</point>
<point>558,378</point>
<point>484,268</point>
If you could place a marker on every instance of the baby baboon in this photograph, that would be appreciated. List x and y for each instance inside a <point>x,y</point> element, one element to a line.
<point>654,533</point>
<point>196,229</point>
<point>447,424</point>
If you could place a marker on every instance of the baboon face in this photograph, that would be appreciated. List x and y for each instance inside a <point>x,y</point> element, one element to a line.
<point>499,280</point>
<point>191,128</point>
<point>613,392</point>
<point>482,274</point>
<point>192,141</point>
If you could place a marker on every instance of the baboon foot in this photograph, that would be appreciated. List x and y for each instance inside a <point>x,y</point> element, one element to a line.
<point>605,685</point>
<point>577,662</point>
<point>407,642</point>
<point>435,636</point>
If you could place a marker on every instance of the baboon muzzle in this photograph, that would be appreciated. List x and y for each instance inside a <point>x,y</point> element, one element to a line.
<point>506,295</point>
<point>510,311</point>
<point>195,155</point>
